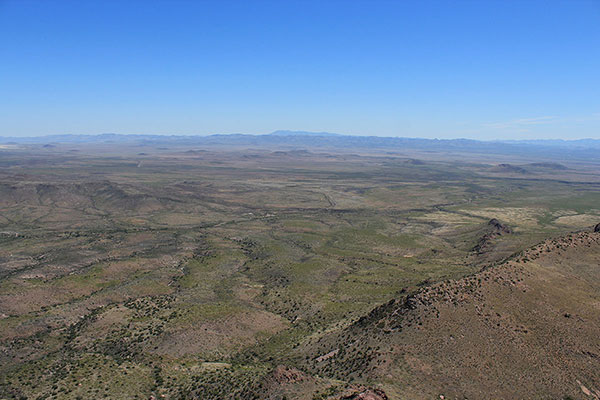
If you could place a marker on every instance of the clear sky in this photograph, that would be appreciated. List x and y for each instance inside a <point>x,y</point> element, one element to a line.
<point>506,69</point>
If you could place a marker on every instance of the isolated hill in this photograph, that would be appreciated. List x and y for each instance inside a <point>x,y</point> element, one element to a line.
<point>527,328</point>
<point>549,165</point>
<point>508,168</point>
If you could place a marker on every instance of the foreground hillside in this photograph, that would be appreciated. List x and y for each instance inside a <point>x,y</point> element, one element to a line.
<point>527,328</point>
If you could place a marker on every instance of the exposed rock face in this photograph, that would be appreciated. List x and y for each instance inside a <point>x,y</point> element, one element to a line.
<point>282,382</point>
<point>496,229</point>
<point>285,375</point>
<point>597,228</point>
<point>499,227</point>
<point>364,393</point>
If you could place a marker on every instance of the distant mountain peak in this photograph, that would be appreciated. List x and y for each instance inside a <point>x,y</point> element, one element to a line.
<point>302,133</point>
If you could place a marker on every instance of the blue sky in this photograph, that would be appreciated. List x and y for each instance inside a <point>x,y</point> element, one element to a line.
<point>478,69</point>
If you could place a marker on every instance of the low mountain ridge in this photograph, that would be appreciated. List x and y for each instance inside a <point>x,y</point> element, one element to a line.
<point>494,230</point>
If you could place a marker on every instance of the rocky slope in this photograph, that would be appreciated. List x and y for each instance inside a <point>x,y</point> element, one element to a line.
<point>494,230</point>
<point>527,328</point>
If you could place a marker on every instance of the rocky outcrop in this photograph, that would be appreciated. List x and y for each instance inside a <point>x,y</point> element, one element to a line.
<point>363,393</point>
<point>498,226</point>
<point>495,229</point>
<point>286,375</point>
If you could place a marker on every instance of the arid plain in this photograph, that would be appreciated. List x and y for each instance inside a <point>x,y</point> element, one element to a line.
<point>149,271</point>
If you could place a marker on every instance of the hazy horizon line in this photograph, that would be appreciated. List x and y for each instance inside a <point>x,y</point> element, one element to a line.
<point>295,133</point>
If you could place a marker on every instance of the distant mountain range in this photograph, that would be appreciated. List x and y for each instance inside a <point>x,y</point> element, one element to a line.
<point>285,139</point>
<point>558,142</point>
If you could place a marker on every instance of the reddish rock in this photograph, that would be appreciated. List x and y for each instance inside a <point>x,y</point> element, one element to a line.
<point>364,393</point>
<point>283,375</point>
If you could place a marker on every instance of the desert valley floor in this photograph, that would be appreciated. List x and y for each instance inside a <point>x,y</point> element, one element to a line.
<point>155,272</point>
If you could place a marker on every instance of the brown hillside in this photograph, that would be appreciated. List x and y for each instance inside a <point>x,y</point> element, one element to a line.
<point>528,328</point>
